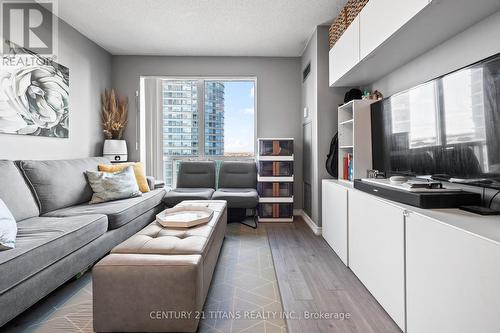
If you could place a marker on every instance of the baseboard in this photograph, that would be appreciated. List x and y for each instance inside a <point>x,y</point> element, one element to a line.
<point>310,223</point>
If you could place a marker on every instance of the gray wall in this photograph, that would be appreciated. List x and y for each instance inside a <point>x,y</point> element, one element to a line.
<point>278,92</point>
<point>322,102</point>
<point>328,101</point>
<point>89,73</point>
<point>478,42</point>
<point>310,128</point>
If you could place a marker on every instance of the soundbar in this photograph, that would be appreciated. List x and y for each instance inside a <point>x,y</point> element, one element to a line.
<point>421,199</point>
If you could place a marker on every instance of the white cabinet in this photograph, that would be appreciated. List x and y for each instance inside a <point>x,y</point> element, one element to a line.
<point>345,53</point>
<point>431,270</point>
<point>374,25</point>
<point>453,279</point>
<point>379,19</point>
<point>334,217</point>
<point>376,250</point>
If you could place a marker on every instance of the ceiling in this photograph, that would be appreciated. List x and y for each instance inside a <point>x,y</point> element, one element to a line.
<point>199,27</point>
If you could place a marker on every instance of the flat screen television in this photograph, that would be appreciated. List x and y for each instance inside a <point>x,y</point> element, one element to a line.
<point>448,128</point>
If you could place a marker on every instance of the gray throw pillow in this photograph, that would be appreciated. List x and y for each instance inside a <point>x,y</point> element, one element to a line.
<point>108,186</point>
<point>8,228</point>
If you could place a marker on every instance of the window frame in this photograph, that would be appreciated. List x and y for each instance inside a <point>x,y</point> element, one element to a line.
<point>201,123</point>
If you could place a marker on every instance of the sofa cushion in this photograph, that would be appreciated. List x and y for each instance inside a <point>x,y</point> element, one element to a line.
<point>238,197</point>
<point>8,228</point>
<point>15,192</point>
<point>60,183</point>
<point>42,241</point>
<point>177,195</point>
<point>139,172</point>
<point>109,186</point>
<point>119,212</point>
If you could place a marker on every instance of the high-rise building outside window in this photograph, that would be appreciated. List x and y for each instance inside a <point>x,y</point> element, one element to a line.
<point>207,119</point>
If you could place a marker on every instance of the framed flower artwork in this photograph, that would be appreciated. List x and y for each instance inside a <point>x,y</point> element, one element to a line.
<point>34,95</point>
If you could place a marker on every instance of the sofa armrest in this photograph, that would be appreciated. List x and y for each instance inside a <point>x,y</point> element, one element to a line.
<point>151,182</point>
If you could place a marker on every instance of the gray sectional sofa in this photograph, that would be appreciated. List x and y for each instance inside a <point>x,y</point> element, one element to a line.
<point>59,233</point>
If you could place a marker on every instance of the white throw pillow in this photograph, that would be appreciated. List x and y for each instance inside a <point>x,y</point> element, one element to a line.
<point>108,186</point>
<point>8,228</point>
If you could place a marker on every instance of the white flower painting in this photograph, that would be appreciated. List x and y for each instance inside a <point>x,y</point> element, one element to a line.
<point>34,98</point>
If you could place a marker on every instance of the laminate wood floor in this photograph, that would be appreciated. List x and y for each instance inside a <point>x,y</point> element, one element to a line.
<point>312,279</point>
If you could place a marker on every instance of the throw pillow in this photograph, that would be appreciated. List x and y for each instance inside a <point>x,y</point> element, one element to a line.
<point>8,228</point>
<point>140,173</point>
<point>108,186</point>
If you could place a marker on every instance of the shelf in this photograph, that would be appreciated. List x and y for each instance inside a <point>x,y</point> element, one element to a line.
<point>275,139</point>
<point>275,179</point>
<point>345,181</point>
<point>423,32</point>
<point>276,199</point>
<point>347,105</point>
<point>275,158</point>
<point>347,122</point>
<point>346,147</point>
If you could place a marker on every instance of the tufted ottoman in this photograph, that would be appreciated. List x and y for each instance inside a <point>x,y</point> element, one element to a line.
<point>158,279</point>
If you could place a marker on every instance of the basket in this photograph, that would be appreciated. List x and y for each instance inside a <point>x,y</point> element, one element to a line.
<point>344,19</point>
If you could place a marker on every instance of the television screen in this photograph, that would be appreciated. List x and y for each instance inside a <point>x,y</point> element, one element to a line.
<point>448,128</point>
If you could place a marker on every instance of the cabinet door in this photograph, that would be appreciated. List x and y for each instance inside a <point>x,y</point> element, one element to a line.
<point>452,279</point>
<point>376,251</point>
<point>345,53</point>
<point>334,218</point>
<point>379,19</point>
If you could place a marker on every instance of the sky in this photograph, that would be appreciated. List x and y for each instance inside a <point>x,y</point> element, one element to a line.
<point>239,116</point>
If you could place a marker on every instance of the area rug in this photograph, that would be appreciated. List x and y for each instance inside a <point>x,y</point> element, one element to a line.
<point>243,296</point>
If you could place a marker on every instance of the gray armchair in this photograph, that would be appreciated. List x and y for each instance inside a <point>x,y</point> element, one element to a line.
<point>237,185</point>
<point>195,181</point>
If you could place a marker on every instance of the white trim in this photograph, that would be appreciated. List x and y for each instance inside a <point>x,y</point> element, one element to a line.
<point>275,179</point>
<point>275,219</point>
<point>276,199</point>
<point>275,158</point>
<point>275,139</point>
<point>310,223</point>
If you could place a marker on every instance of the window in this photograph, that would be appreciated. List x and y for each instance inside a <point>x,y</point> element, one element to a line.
<point>463,99</point>
<point>422,120</point>
<point>206,118</point>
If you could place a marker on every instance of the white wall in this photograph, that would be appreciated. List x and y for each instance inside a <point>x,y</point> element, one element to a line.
<point>477,42</point>
<point>89,73</point>
<point>278,92</point>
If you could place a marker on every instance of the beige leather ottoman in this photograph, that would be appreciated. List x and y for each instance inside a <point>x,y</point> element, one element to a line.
<point>158,279</point>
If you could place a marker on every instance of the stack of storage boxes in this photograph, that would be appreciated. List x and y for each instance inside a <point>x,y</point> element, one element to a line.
<point>275,179</point>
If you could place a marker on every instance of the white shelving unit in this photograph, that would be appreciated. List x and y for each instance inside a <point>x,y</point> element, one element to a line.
<point>275,187</point>
<point>355,137</point>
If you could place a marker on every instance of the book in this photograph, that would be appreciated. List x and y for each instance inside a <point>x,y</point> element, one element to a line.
<point>345,171</point>
<point>350,167</point>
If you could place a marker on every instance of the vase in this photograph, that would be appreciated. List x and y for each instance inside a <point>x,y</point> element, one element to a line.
<point>115,150</point>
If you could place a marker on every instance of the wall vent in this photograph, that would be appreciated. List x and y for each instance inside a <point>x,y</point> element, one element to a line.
<point>306,72</point>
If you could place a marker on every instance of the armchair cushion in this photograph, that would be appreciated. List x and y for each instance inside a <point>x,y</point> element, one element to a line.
<point>177,195</point>
<point>196,174</point>
<point>238,174</point>
<point>238,197</point>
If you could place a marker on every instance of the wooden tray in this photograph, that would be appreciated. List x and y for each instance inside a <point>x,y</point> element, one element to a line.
<point>185,216</point>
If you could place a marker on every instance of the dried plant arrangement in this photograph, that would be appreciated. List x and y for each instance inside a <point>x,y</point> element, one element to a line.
<point>114,114</point>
